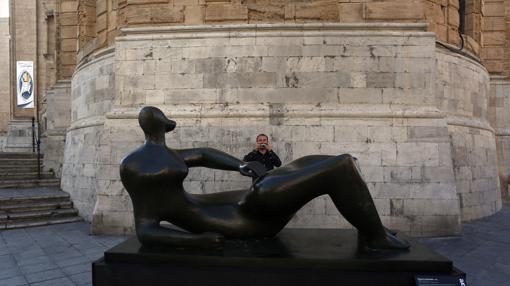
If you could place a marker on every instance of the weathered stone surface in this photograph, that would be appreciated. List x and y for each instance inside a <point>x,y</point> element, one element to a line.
<point>388,10</point>
<point>57,117</point>
<point>260,86</point>
<point>473,143</point>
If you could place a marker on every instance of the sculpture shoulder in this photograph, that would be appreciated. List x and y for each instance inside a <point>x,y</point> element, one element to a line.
<point>148,160</point>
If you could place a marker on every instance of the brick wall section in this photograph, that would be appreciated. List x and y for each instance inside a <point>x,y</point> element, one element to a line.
<point>442,15</point>
<point>493,35</point>
<point>5,94</point>
<point>68,25</point>
<point>86,27</point>
<point>506,66</point>
<point>140,12</point>
<point>106,22</point>
<point>46,61</point>
<point>26,44</point>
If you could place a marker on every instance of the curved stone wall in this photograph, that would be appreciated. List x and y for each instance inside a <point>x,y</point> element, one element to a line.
<point>92,94</point>
<point>500,119</point>
<point>362,89</point>
<point>415,116</point>
<point>462,92</point>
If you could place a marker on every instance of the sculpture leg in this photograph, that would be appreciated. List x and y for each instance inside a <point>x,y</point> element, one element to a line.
<point>284,191</point>
<point>354,202</point>
<point>150,233</point>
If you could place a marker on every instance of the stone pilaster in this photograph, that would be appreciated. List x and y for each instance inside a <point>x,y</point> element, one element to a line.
<point>500,118</point>
<point>56,119</point>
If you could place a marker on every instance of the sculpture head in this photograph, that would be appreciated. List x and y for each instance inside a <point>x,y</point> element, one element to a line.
<point>154,122</point>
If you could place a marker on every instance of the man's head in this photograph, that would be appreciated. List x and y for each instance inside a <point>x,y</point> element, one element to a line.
<point>262,141</point>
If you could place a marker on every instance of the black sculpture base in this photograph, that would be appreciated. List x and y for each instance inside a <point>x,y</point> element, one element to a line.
<point>294,257</point>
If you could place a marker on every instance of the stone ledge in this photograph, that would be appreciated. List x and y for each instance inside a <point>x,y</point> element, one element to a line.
<point>55,132</point>
<point>94,58</point>
<point>460,56</point>
<point>502,131</point>
<point>274,30</point>
<point>86,122</point>
<point>62,84</point>
<point>298,111</point>
<point>284,27</point>
<point>468,122</point>
<point>500,80</point>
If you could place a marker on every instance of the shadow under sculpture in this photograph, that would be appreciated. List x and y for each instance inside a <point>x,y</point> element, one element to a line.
<point>153,175</point>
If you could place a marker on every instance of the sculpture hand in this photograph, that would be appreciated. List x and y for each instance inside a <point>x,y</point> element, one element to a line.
<point>252,169</point>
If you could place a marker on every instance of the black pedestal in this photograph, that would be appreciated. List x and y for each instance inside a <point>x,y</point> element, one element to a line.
<point>294,257</point>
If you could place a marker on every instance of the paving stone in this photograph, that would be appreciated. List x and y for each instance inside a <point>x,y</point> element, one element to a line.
<point>63,281</point>
<point>77,269</point>
<point>7,261</point>
<point>483,252</point>
<point>39,267</point>
<point>44,275</point>
<point>4,250</point>
<point>9,272</point>
<point>36,260</point>
<point>82,278</point>
<point>14,281</point>
<point>74,261</point>
<point>66,255</point>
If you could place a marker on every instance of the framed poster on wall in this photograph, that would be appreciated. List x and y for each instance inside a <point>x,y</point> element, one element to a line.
<point>25,84</point>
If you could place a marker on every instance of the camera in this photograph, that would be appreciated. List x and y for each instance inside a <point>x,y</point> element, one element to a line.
<point>263,145</point>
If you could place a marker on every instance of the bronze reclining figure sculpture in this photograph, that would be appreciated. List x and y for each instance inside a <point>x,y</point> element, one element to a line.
<point>153,175</point>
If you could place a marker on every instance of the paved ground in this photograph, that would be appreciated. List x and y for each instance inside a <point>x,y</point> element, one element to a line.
<point>483,252</point>
<point>51,255</point>
<point>62,254</point>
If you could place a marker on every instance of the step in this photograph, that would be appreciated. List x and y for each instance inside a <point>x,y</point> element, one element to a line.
<point>9,180</point>
<point>14,168</point>
<point>36,206</point>
<point>57,197</point>
<point>39,222</point>
<point>25,175</point>
<point>17,162</point>
<point>23,183</point>
<point>34,183</point>
<point>6,155</point>
<point>26,216</point>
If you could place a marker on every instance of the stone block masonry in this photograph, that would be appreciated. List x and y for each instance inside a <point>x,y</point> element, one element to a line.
<point>472,139</point>
<point>499,102</point>
<point>92,94</point>
<point>314,88</point>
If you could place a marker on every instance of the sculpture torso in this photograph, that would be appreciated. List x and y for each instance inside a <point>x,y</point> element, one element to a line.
<point>154,175</point>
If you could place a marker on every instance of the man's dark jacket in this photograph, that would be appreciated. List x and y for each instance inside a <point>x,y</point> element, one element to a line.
<point>269,160</point>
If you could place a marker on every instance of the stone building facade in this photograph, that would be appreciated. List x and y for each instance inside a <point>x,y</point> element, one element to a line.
<point>417,90</point>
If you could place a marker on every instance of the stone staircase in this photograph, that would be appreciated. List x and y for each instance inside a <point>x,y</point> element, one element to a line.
<point>19,170</point>
<point>26,200</point>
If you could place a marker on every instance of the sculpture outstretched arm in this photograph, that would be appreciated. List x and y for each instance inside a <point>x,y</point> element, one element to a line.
<point>153,234</point>
<point>215,159</point>
<point>210,158</point>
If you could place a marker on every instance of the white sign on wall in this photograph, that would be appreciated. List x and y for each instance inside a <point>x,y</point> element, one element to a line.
<point>25,84</point>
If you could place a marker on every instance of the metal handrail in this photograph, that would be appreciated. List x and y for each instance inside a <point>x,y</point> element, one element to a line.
<point>36,143</point>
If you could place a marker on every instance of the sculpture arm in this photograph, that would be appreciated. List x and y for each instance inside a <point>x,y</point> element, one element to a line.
<point>210,158</point>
